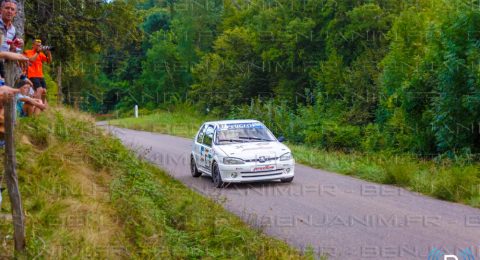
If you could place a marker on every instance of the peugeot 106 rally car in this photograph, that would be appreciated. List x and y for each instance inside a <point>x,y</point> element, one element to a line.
<point>235,151</point>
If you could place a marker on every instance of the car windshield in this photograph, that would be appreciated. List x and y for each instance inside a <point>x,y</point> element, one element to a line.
<point>242,133</point>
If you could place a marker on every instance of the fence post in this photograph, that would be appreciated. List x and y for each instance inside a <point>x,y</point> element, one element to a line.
<point>59,84</point>
<point>11,175</point>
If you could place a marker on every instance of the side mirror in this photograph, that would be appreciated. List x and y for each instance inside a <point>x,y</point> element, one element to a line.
<point>281,139</point>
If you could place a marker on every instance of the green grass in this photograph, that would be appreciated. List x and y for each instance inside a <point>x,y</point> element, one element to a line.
<point>86,196</point>
<point>172,123</point>
<point>448,180</point>
<point>456,180</point>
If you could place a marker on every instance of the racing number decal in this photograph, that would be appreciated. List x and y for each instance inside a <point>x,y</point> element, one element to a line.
<point>206,156</point>
<point>202,152</point>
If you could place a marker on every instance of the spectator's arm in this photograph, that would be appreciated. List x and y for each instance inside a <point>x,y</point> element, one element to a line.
<point>34,57</point>
<point>49,56</point>
<point>20,42</point>
<point>22,60</point>
<point>34,102</point>
<point>39,104</point>
<point>29,81</point>
<point>17,43</point>
<point>12,56</point>
<point>7,89</point>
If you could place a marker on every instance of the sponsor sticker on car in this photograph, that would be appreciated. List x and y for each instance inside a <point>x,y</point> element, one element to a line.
<point>264,168</point>
<point>240,126</point>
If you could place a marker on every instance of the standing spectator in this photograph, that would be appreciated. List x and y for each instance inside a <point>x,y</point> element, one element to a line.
<point>10,41</point>
<point>8,12</point>
<point>35,69</point>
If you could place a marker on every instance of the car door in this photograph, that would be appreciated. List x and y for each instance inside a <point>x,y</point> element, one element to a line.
<point>198,146</point>
<point>206,151</point>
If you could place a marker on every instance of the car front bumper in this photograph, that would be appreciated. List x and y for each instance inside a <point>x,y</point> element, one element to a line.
<point>252,172</point>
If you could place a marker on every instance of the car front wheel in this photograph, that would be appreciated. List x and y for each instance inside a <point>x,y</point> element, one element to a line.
<point>287,179</point>
<point>193,168</point>
<point>217,177</point>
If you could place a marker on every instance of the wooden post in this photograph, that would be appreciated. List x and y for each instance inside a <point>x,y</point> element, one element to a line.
<point>10,159</point>
<point>59,84</point>
<point>76,103</point>
<point>11,175</point>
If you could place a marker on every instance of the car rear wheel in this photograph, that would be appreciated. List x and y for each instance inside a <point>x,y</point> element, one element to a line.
<point>287,179</point>
<point>193,168</point>
<point>217,177</point>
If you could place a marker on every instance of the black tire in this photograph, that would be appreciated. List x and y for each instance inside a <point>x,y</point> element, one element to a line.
<point>193,168</point>
<point>217,177</point>
<point>287,179</point>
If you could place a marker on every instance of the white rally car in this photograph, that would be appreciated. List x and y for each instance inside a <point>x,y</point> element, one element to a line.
<point>240,151</point>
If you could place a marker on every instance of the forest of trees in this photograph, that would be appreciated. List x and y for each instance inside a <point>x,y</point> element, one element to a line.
<point>363,75</point>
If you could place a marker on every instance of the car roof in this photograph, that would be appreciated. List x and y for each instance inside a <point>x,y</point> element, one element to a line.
<point>236,121</point>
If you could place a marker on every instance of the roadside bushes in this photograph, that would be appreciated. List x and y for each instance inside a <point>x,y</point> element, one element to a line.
<point>331,135</point>
<point>374,140</point>
<point>306,126</point>
<point>457,184</point>
<point>277,116</point>
<point>400,172</point>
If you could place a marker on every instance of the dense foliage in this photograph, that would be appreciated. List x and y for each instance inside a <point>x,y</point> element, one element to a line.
<point>83,34</point>
<point>352,75</point>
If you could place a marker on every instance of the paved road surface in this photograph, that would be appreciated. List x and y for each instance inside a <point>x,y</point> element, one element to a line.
<point>334,214</point>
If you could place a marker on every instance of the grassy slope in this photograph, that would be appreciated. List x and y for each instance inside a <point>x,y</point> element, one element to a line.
<point>86,196</point>
<point>454,181</point>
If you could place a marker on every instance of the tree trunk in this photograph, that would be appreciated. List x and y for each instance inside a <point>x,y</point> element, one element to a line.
<point>59,84</point>
<point>19,21</point>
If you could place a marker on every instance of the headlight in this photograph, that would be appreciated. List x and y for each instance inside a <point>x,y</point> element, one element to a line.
<point>231,160</point>
<point>286,157</point>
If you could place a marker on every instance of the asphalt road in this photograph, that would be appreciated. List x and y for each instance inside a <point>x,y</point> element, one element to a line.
<point>332,214</point>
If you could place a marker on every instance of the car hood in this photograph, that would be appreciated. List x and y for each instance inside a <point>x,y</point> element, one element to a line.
<point>249,151</point>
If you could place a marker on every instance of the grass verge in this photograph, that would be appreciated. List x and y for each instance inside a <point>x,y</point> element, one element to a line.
<point>86,196</point>
<point>452,180</point>
<point>184,124</point>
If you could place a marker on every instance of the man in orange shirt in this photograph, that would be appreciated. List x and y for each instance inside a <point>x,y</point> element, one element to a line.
<point>35,69</point>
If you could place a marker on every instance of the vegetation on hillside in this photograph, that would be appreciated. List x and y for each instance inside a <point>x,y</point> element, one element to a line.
<point>86,196</point>
<point>353,75</point>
